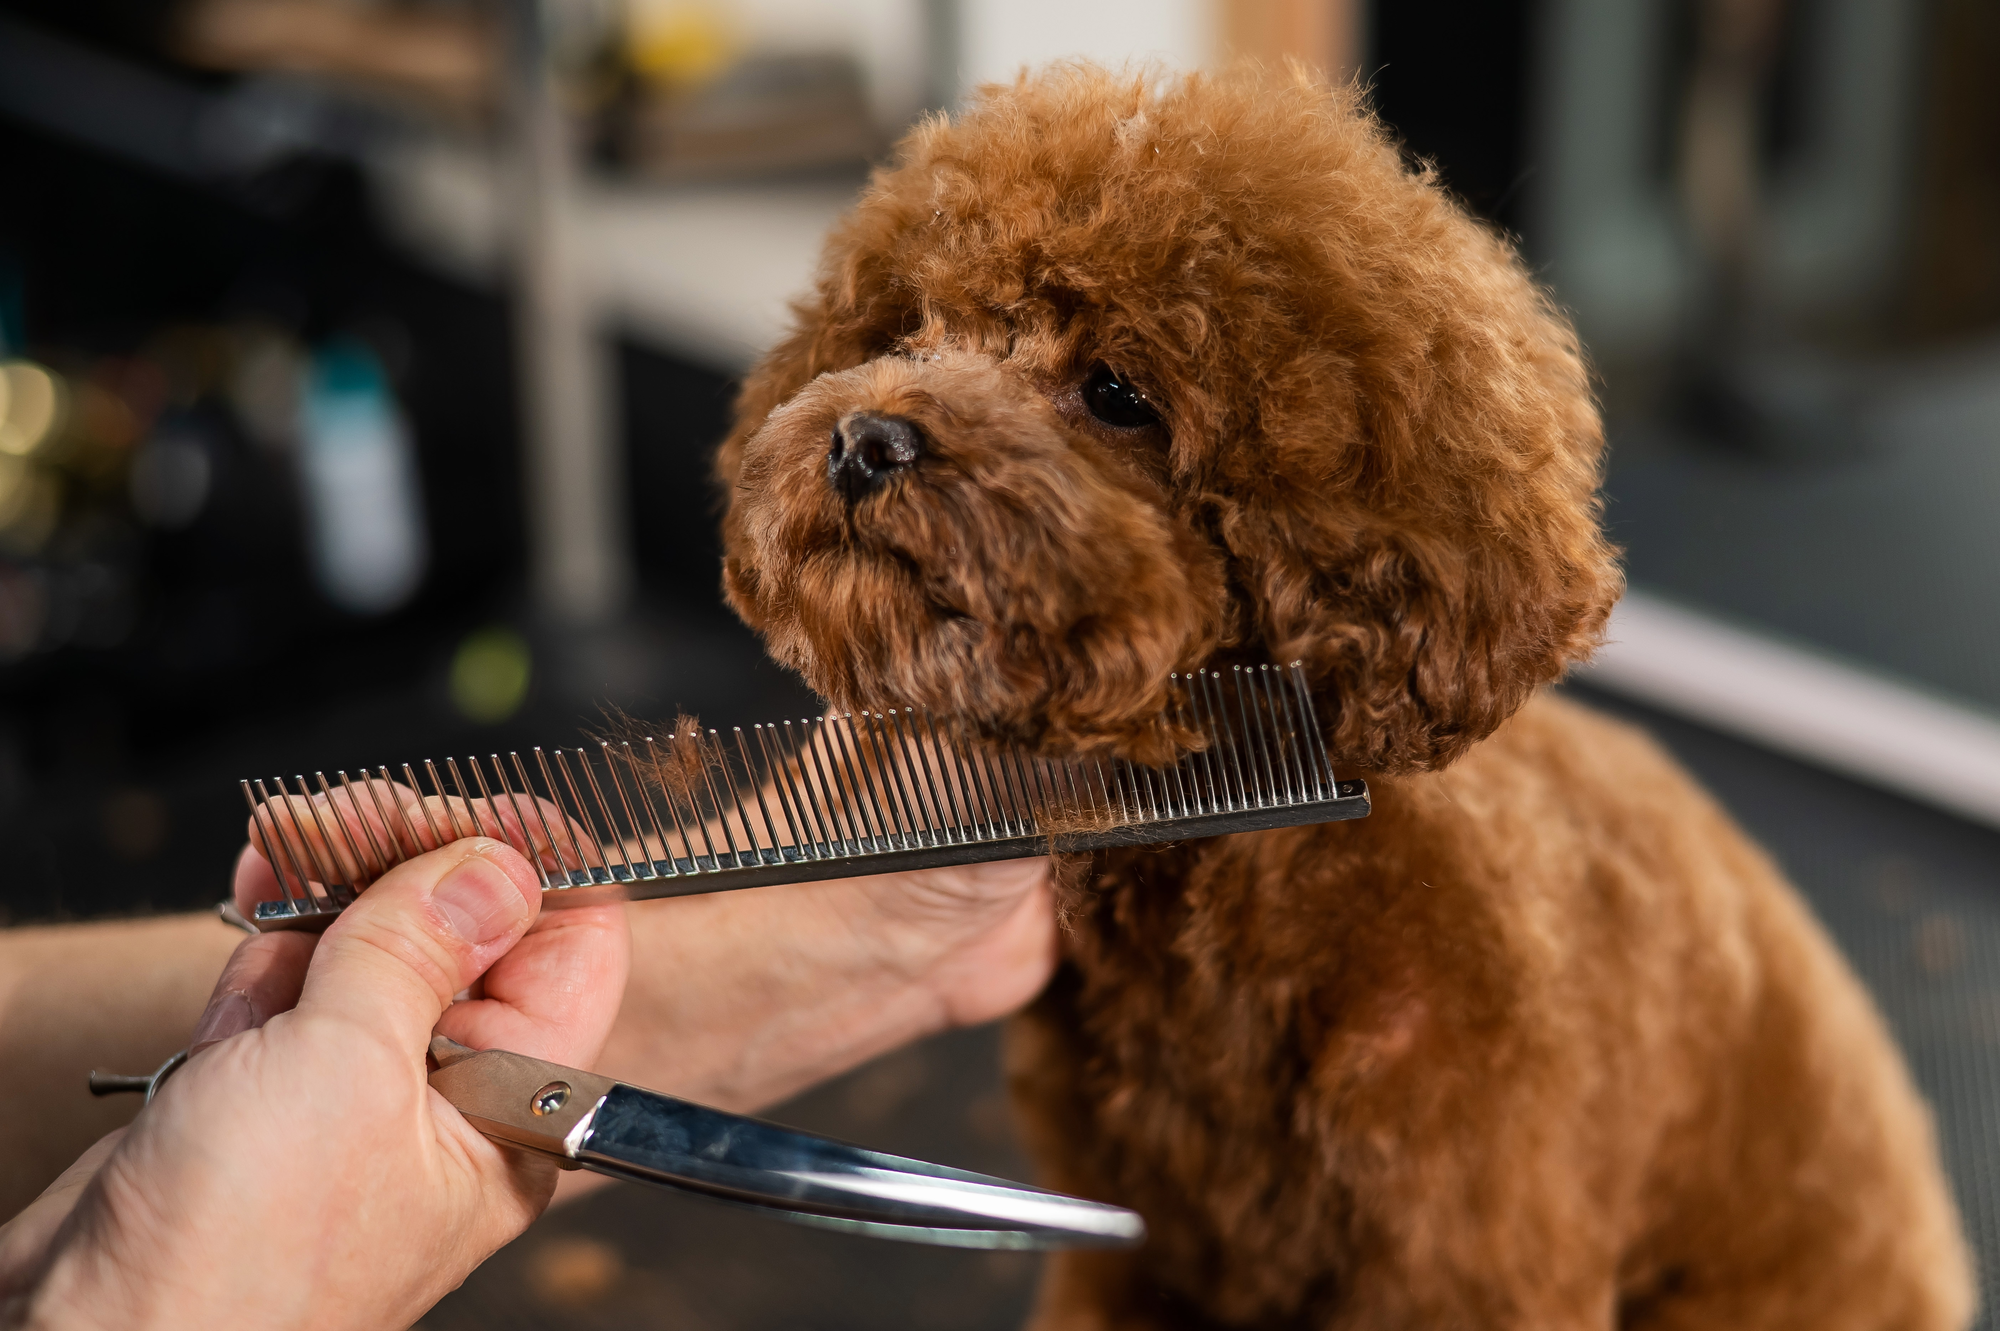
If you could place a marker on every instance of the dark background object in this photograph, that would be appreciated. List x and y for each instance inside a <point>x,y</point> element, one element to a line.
<point>1453,80</point>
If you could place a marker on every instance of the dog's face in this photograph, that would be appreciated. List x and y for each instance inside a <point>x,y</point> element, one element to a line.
<point>1105,380</point>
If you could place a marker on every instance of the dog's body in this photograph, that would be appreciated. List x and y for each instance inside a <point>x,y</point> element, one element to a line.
<point>1543,1042</point>
<point>1108,379</point>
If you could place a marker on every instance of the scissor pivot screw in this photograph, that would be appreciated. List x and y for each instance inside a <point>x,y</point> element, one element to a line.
<point>550,1098</point>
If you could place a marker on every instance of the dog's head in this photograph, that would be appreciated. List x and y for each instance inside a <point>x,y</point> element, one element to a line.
<point>1110,376</point>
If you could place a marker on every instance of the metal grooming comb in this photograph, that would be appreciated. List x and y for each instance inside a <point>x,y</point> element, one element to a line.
<point>834,797</point>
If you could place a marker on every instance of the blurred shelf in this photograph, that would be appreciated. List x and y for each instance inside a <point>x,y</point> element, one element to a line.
<point>704,272</point>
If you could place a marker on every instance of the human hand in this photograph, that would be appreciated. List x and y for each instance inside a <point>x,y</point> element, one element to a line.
<point>742,998</point>
<point>298,1170</point>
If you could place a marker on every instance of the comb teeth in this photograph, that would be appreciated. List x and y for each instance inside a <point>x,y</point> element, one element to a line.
<point>830,797</point>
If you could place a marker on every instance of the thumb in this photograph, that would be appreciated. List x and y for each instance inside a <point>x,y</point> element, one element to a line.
<point>421,933</point>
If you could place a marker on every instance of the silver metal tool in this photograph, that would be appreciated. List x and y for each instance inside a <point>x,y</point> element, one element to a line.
<point>584,1121</point>
<point>832,797</point>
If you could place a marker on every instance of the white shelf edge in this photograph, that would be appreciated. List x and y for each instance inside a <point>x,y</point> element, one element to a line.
<point>1803,703</point>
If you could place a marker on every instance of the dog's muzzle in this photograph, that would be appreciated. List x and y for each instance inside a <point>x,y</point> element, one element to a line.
<point>869,448</point>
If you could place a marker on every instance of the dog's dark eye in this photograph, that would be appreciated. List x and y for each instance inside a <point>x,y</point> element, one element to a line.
<point>1116,402</point>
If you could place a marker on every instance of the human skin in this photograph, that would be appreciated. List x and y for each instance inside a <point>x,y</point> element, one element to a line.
<point>736,1000</point>
<point>301,1143</point>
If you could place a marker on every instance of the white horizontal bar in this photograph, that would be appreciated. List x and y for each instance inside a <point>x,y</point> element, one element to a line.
<point>1804,703</point>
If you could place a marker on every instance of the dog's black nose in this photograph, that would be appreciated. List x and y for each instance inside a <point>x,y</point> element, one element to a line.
<point>869,448</point>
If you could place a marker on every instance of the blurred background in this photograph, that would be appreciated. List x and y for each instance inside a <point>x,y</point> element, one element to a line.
<point>360,361</point>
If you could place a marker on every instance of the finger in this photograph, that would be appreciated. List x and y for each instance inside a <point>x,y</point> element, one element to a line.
<point>360,829</point>
<point>556,995</point>
<point>24,1240</point>
<point>253,881</point>
<point>426,930</point>
<point>262,978</point>
<point>350,834</point>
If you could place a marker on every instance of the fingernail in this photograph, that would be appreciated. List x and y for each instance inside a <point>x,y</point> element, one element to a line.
<point>226,1015</point>
<point>478,901</point>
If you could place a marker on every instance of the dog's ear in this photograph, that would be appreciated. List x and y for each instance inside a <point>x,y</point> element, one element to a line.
<point>1440,557</point>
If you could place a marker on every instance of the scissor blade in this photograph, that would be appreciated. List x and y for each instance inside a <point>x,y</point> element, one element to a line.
<point>644,1135</point>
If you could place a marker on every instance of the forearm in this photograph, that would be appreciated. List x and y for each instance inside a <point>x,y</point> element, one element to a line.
<point>117,996</point>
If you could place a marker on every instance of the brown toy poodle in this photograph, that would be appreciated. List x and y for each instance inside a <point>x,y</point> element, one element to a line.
<point>1117,374</point>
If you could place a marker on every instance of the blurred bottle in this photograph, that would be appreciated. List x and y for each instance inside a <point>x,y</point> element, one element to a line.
<point>364,504</point>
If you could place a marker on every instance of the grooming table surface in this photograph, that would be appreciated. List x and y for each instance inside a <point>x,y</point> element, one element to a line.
<point>1912,895</point>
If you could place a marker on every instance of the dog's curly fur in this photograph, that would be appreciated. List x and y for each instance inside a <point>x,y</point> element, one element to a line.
<point>1543,1042</point>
